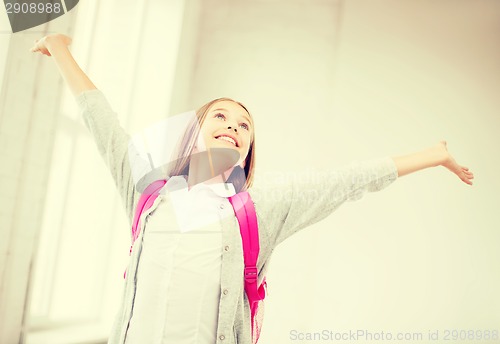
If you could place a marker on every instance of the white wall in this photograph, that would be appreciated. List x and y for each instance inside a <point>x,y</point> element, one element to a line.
<point>4,41</point>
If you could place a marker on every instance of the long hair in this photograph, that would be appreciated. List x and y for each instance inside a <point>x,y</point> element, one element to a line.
<point>242,179</point>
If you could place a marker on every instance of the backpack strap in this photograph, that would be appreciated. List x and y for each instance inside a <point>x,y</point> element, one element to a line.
<point>245,213</point>
<point>145,202</point>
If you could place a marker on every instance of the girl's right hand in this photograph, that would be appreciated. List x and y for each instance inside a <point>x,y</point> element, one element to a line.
<point>42,44</point>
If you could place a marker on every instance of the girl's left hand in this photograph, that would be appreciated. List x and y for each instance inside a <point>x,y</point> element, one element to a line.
<point>43,44</point>
<point>449,162</point>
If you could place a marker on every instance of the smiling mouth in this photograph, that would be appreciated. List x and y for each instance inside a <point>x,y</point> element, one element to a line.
<point>227,140</point>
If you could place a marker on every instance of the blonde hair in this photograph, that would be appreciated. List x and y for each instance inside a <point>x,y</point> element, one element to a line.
<point>242,179</point>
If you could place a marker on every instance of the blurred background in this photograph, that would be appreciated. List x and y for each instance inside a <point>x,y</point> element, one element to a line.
<point>328,82</point>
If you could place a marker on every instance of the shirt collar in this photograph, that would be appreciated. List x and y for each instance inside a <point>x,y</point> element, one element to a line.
<point>220,189</point>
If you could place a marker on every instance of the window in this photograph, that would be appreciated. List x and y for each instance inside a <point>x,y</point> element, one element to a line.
<point>77,280</point>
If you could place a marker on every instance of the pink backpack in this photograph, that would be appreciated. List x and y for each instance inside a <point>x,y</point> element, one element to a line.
<point>245,213</point>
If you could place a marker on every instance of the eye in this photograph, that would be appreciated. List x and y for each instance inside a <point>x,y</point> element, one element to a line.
<point>245,126</point>
<point>220,115</point>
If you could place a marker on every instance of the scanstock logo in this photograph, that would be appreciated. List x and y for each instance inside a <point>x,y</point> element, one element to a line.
<point>25,14</point>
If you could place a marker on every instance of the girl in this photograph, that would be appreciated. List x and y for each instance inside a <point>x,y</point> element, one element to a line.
<point>184,282</point>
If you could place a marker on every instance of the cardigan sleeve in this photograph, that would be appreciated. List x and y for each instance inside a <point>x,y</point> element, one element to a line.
<point>310,197</point>
<point>112,142</point>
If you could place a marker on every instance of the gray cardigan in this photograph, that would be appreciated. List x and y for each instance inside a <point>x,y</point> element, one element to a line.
<point>282,210</point>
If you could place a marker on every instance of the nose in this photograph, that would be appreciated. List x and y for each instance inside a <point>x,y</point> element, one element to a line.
<point>231,128</point>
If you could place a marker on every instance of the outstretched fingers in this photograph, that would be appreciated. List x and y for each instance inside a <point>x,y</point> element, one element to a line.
<point>466,176</point>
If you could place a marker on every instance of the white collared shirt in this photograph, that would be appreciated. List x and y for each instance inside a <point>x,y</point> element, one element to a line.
<point>178,279</point>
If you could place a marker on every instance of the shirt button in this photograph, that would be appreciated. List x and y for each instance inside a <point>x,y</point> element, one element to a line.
<point>221,206</point>
<point>226,248</point>
<point>221,337</point>
<point>225,291</point>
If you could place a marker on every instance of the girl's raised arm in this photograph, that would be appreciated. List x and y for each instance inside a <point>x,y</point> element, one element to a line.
<point>101,120</point>
<point>56,45</point>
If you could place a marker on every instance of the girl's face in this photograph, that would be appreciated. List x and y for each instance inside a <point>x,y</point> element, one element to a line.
<point>227,125</point>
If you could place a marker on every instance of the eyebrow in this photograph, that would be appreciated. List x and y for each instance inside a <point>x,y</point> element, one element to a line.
<point>222,109</point>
